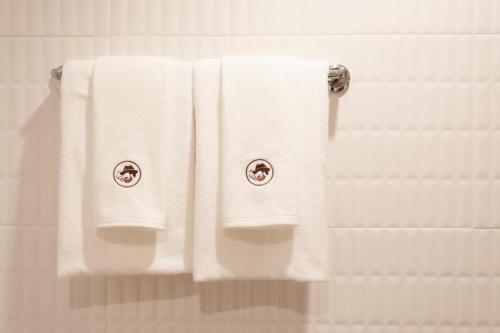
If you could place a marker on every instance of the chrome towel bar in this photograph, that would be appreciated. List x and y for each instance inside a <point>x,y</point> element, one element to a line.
<point>338,77</point>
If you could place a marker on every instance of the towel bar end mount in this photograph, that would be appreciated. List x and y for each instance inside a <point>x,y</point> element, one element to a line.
<point>56,72</point>
<point>338,79</point>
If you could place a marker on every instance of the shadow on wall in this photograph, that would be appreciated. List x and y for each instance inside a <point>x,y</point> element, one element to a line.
<point>29,247</point>
<point>175,297</point>
<point>40,164</point>
<point>332,119</point>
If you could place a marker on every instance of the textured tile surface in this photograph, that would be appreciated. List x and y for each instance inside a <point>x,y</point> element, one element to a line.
<point>487,280</point>
<point>414,169</point>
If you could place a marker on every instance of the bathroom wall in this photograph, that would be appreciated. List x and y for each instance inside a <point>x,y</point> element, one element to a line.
<point>414,165</point>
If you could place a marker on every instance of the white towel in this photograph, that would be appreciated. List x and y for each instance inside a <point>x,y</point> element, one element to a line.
<point>298,253</point>
<point>261,104</point>
<point>129,169</point>
<point>82,248</point>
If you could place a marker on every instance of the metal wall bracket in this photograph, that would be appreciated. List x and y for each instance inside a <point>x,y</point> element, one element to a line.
<point>338,79</point>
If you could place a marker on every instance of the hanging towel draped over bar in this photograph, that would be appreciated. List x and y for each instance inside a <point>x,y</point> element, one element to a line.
<point>338,77</point>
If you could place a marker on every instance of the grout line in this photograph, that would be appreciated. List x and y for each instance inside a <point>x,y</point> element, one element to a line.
<point>373,82</point>
<point>106,278</point>
<point>473,198</point>
<point>350,321</point>
<point>443,228</point>
<point>55,37</point>
<point>415,228</point>
<point>199,36</point>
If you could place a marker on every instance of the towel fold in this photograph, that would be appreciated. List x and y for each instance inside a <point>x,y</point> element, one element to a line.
<point>84,248</point>
<point>260,137</point>
<point>298,253</point>
<point>128,126</point>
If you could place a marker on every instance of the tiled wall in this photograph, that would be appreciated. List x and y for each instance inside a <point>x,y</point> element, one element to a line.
<point>414,165</point>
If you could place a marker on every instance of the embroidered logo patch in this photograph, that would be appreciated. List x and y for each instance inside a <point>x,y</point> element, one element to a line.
<point>259,172</point>
<point>127,174</point>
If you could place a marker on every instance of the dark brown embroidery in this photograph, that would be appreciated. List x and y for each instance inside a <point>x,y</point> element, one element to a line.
<point>127,174</point>
<point>259,172</point>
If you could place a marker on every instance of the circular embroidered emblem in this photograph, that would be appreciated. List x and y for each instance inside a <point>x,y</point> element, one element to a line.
<point>127,173</point>
<point>259,172</point>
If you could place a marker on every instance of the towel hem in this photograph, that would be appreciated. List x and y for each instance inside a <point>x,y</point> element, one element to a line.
<point>318,278</point>
<point>133,224</point>
<point>263,222</point>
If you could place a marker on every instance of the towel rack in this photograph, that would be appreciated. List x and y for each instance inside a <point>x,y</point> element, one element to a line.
<point>338,77</point>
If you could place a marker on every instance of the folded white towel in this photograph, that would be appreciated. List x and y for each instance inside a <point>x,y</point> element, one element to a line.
<point>298,253</point>
<point>82,248</point>
<point>260,134</point>
<point>128,138</point>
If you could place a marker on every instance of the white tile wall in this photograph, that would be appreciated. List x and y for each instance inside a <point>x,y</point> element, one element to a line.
<point>414,181</point>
